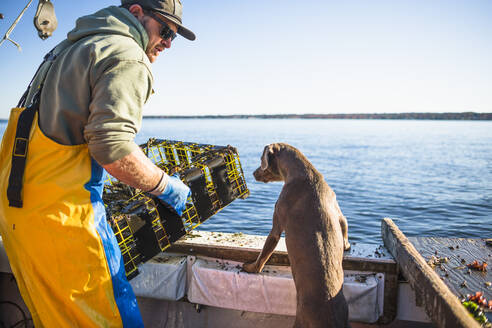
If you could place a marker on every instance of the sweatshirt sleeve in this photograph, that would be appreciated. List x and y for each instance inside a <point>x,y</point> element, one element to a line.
<point>118,96</point>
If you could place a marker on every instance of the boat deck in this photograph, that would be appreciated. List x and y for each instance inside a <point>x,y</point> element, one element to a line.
<point>437,271</point>
<point>452,256</point>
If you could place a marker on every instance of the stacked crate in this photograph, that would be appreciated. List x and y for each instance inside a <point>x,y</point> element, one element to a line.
<point>144,226</point>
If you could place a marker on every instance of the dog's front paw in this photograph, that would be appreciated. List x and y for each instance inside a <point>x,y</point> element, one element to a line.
<point>250,267</point>
<point>346,245</point>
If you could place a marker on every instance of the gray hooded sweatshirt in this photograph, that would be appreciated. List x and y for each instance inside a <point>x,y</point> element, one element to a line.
<point>95,89</point>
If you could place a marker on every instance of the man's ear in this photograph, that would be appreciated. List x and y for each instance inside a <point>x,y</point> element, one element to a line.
<point>267,151</point>
<point>136,10</point>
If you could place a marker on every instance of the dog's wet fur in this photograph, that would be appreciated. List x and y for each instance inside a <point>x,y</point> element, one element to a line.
<point>315,234</point>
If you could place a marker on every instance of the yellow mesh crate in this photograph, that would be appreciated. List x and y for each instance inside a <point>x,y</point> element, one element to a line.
<point>144,226</point>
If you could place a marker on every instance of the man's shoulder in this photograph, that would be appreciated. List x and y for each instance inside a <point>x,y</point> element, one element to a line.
<point>115,47</point>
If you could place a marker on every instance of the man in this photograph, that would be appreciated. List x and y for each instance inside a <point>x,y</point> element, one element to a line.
<point>90,91</point>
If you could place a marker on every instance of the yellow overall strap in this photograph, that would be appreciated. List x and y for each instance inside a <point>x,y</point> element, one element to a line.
<point>24,125</point>
<point>19,155</point>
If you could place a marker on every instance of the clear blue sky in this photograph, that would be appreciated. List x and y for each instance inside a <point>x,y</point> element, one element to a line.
<point>272,56</point>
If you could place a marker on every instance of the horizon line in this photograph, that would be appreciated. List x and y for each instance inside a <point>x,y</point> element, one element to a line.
<point>401,115</point>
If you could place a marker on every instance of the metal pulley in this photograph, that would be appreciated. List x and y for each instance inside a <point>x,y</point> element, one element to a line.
<point>45,19</point>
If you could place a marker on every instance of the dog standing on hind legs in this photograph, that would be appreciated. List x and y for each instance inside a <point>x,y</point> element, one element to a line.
<point>315,235</point>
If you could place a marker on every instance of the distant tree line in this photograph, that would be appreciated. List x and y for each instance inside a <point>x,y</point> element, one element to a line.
<point>382,116</point>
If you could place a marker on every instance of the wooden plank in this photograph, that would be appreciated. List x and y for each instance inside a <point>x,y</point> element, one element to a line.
<point>241,254</point>
<point>440,304</point>
<point>243,248</point>
<point>231,253</point>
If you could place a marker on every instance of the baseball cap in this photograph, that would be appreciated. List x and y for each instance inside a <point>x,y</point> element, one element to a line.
<point>171,9</point>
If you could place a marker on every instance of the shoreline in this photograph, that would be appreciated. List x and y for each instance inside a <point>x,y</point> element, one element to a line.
<point>446,116</point>
<point>463,116</point>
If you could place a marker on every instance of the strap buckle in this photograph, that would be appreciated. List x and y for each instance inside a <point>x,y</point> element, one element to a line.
<point>20,147</point>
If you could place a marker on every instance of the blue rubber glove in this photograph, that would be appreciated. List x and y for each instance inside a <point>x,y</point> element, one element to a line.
<point>175,194</point>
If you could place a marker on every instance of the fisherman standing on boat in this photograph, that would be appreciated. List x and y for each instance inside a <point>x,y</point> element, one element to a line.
<point>84,107</point>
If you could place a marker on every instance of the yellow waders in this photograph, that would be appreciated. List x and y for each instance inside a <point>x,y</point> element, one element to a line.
<point>61,249</point>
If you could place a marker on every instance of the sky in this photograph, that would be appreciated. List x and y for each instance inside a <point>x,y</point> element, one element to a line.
<point>294,57</point>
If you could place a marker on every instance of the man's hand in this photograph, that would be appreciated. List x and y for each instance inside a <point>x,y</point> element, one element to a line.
<point>175,194</point>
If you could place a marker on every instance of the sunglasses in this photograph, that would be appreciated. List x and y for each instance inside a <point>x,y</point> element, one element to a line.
<point>166,32</point>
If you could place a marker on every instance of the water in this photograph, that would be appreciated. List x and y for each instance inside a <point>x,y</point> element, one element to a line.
<point>434,178</point>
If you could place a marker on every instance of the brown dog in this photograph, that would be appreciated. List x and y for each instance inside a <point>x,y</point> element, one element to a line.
<point>315,235</point>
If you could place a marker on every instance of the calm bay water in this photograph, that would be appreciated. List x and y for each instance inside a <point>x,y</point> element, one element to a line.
<point>434,178</point>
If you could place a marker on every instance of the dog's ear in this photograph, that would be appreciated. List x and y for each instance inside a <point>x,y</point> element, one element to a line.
<point>265,157</point>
